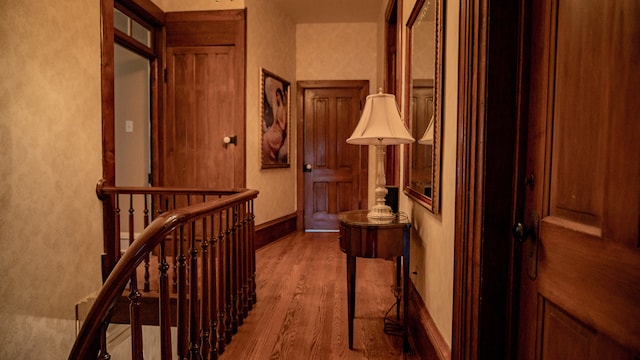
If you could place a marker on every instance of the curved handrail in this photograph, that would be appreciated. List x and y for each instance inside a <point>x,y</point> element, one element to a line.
<point>103,190</point>
<point>86,341</point>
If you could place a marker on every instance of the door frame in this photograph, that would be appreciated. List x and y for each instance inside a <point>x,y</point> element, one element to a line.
<point>491,138</point>
<point>302,86</point>
<point>154,16</point>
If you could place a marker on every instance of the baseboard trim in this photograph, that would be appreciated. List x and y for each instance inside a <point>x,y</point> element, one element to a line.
<point>424,336</point>
<point>275,229</point>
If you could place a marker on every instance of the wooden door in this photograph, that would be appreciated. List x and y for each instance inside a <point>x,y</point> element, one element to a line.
<point>580,281</point>
<point>335,178</point>
<point>205,101</point>
<point>200,107</point>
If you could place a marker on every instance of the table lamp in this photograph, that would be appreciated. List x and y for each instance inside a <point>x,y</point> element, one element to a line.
<point>380,125</point>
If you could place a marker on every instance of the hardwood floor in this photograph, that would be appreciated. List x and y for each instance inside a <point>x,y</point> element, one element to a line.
<point>301,310</point>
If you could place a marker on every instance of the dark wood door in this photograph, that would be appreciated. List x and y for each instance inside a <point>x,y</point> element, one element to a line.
<point>336,178</point>
<point>580,281</point>
<point>205,101</point>
<point>199,109</point>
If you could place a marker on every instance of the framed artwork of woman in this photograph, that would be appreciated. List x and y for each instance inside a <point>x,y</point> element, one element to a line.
<point>275,112</point>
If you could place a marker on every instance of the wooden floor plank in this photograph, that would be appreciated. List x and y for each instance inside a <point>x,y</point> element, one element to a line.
<point>301,311</point>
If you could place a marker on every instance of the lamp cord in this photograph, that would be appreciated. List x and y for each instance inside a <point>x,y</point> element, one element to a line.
<point>391,326</point>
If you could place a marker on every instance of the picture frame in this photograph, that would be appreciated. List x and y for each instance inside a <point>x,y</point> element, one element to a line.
<point>275,114</point>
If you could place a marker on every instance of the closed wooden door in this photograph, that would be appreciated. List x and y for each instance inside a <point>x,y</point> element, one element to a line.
<point>335,177</point>
<point>580,281</point>
<point>201,112</point>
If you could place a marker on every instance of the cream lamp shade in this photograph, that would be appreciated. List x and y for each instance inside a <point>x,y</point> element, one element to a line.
<point>427,137</point>
<point>380,125</point>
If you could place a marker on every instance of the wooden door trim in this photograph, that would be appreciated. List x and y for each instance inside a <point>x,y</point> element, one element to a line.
<point>152,14</point>
<point>393,79</point>
<point>485,260</point>
<point>302,86</point>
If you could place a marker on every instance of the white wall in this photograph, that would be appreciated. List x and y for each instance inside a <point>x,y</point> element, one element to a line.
<point>132,99</point>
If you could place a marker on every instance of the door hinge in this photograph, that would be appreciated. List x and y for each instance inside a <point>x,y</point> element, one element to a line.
<point>150,179</point>
<point>166,75</point>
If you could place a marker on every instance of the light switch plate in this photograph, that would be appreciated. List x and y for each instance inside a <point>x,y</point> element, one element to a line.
<point>128,126</point>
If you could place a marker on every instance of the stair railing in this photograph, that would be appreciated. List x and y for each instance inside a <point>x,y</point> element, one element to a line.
<point>214,252</point>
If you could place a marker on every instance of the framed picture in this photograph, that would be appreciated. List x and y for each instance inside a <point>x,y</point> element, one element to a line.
<point>275,112</point>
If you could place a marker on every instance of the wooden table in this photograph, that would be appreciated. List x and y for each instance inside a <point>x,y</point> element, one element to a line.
<point>364,237</point>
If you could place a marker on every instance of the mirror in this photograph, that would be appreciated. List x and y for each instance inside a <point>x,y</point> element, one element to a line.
<point>423,108</point>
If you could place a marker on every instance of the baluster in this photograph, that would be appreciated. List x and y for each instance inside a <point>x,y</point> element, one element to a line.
<point>118,251</point>
<point>252,256</point>
<point>165,306</point>
<point>130,225</point>
<point>234,270</point>
<point>175,254</point>
<point>213,324</point>
<point>194,348</point>
<point>134,297</point>
<point>103,354</point>
<point>238,266</point>
<point>183,306</point>
<point>221,284</point>
<point>147,285</point>
<point>228,270</point>
<point>204,316</point>
<point>245,261</point>
<point>242,309</point>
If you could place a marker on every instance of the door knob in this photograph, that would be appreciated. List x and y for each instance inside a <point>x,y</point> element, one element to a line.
<point>530,248</point>
<point>307,168</point>
<point>520,232</point>
<point>230,140</point>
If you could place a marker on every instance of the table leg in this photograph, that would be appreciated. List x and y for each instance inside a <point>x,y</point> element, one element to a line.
<point>399,285</point>
<point>351,294</point>
<point>405,289</point>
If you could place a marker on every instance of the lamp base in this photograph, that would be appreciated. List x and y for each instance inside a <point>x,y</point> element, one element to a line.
<point>381,212</point>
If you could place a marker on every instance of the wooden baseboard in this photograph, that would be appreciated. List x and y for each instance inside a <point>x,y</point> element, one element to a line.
<point>424,336</point>
<point>275,229</point>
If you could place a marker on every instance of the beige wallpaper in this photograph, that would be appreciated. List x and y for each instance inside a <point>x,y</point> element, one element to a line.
<point>432,258</point>
<point>270,45</point>
<point>338,51</point>
<point>50,161</point>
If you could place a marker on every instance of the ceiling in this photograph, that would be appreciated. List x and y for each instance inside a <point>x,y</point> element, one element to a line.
<point>333,11</point>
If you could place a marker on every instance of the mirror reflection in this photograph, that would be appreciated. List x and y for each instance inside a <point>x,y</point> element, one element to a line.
<point>423,73</point>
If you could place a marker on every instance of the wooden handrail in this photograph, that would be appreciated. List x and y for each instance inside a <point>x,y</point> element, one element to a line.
<point>87,344</point>
<point>111,225</point>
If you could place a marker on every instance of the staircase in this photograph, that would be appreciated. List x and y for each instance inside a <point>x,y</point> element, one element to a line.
<point>191,267</point>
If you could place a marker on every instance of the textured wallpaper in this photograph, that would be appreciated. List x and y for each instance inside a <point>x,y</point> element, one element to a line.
<point>270,45</point>
<point>50,161</point>
<point>339,51</point>
<point>432,258</point>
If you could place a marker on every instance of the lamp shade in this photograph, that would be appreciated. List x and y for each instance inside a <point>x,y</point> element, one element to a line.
<point>380,123</point>
<point>427,137</point>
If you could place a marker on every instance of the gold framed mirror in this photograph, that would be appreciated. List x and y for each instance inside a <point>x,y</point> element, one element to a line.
<point>423,110</point>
